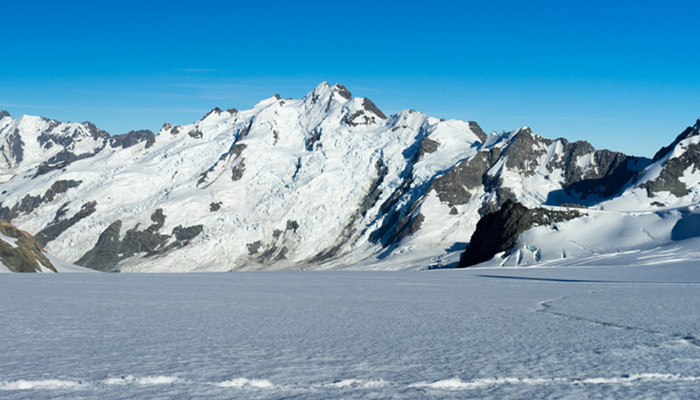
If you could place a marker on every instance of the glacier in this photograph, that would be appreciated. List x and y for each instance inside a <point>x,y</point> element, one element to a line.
<point>327,181</point>
<point>603,330</point>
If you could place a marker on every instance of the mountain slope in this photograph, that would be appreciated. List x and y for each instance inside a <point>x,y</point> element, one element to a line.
<point>289,182</point>
<point>324,181</point>
<point>19,252</point>
<point>657,209</point>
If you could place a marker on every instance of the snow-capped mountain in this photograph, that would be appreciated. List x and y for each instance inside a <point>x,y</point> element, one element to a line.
<point>324,181</point>
<point>653,217</point>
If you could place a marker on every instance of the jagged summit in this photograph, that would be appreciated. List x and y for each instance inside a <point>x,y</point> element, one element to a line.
<point>687,133</point>
<point>323,181</point>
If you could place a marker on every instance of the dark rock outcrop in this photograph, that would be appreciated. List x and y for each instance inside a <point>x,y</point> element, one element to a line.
<point>25,255</point>
<point>187,234</point>
<point>62,160</point>
<point>499,231</point>
<point>454,186</point>
<point>427,146</point>
<point>607,173</point>
<point>131,138</point>
<point>312,142</point>
<point>174,129</point>
<point>29,203</point>
<point>104,256</point>
<point>673,169</point>
<point>474,127</point>
<point>275,249</point>
<point>13,149</point>
<point>110,250</point>
<point>59,226</point>
<point>524,152</point>
<point>688,132</point>
<point>368,105</point>
<point>232,154</point>
<point>613,171</point>
<point>238,170</point>
<point>342,91</point>
<point>216,111</point>
<point>366,116</point>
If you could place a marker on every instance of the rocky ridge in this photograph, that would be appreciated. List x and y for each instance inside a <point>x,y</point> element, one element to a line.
<point>497,232</point>
<point>325,181</point>
<point>20,252</point>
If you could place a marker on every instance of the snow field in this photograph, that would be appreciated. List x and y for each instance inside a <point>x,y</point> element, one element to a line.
<point>617,331</point>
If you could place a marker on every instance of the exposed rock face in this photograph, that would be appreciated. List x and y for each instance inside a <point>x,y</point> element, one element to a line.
<point>312,142</point>
<point>583,173</point>
<point>63,143</point>
<point>608,179</point>
<point>229,156</point>
<point>474,127</point>
<point>456,185</point>
<point>238,170</point>
<point>131,138</point>
<point>110,250</point>
<point>59,225</point>
<point>371,107</point>
<point>687,133</point>
<point>427,146</point>
<point>673,169</point>
<point>686,157</point>
<point>322,181</point>
<point>342,91</point>
<point>186,234</point>
<point>65,137</point>
<point>216,111</point>
<point>29,203</point>
<point>497,232</point>
<point>25,255</point>
<point>104,256</point>
<point>13,149</point>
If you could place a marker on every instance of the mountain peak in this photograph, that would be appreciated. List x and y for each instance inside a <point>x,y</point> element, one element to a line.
<point>322,88</point>
<point>325,89</point>
<point>320,181</point>
<point>368,105</point>
<point>342,91</point>
<point>688,132</point>
<point>4,113</point>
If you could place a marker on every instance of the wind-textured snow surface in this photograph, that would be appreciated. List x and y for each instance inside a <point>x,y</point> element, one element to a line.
<point>576,332</point>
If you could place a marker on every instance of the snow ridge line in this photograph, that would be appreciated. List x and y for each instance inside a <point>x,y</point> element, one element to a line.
<point>458,384</point>
<point>451,384</point>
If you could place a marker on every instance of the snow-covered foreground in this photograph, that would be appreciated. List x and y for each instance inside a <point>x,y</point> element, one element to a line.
<point>550,332</point>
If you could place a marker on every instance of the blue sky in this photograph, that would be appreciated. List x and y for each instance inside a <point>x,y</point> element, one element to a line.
<point>624,76</point>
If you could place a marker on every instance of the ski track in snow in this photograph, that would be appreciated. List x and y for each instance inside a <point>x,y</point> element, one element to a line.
<point>548,308</point>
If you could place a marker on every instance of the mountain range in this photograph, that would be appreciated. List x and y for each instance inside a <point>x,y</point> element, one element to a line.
<point>329,181</point>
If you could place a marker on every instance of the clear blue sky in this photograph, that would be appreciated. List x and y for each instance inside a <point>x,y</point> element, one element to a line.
<point>623,75</point>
